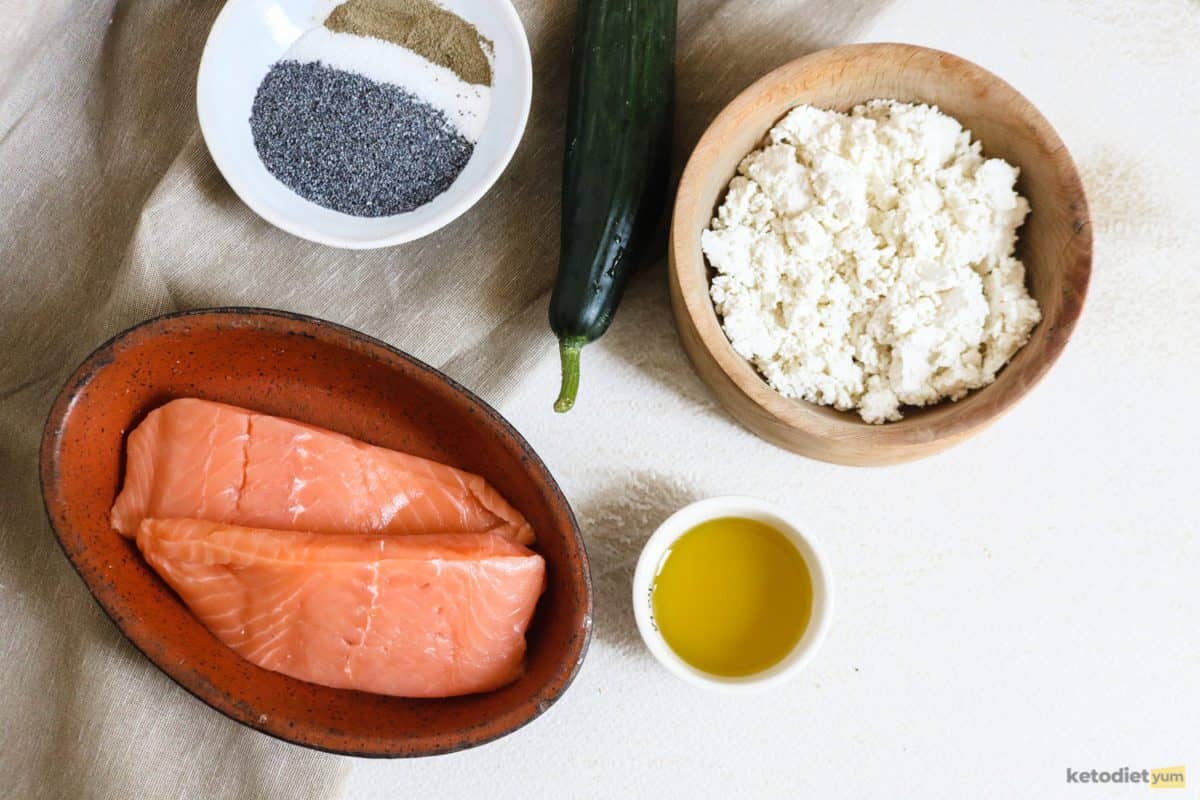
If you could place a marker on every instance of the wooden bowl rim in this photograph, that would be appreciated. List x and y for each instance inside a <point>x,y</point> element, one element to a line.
<point>530,708</point>
<point>688,272</point>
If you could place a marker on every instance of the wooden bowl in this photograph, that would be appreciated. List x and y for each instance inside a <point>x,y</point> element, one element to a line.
<point>321,373</point>
<point>1055,243</point>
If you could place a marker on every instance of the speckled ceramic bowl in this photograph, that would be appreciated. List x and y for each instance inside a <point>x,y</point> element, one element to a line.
<point>330,376</point>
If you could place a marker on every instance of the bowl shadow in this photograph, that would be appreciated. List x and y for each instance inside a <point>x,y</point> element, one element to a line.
<point>616,522</point>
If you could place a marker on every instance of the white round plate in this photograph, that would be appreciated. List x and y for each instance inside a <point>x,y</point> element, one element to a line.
<point>251,35</point>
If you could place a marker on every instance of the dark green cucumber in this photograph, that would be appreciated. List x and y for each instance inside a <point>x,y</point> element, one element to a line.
<point>616,165</point>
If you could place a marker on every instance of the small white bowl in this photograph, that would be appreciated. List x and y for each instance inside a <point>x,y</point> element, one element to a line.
<point>251,35</point>
<point>683,521</point>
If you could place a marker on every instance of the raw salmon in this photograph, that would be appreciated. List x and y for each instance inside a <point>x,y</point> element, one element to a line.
<point>433,615</point>
<point>198,459</point>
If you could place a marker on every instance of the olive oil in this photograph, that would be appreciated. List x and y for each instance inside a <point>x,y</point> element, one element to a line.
<point>732,596</point>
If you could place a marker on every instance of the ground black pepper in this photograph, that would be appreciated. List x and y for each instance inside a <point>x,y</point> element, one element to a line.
<point>422,26</point>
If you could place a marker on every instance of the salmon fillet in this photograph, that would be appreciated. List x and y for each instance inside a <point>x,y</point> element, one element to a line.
<point>426,615</point>
<point>197,459</point>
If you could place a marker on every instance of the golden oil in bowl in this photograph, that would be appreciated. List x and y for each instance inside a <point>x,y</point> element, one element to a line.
<point>732,597</point>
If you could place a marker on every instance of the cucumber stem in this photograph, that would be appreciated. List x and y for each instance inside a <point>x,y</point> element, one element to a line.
<point>568,351</point>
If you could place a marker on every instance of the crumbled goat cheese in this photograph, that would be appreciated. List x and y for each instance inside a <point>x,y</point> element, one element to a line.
<point>865,260</point>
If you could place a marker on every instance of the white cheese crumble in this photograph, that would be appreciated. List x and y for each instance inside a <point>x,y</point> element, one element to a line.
<point>865,260</point>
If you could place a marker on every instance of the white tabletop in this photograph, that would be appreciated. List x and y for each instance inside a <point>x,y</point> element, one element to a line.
<point>1018,606</point>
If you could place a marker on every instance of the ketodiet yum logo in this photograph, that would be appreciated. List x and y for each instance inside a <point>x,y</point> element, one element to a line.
<point>1159,778</point>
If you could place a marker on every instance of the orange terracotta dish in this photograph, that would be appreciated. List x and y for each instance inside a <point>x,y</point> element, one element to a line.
<point>327,559</point>
<point>297,367</point>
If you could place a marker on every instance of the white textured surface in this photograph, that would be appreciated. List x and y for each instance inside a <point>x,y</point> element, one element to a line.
<point>1024,603</point>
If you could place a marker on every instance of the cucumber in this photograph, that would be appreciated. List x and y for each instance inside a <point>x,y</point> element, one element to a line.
<point>616,165</point>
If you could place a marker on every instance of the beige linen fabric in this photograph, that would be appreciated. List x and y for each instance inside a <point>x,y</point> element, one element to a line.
<point>111,211</point>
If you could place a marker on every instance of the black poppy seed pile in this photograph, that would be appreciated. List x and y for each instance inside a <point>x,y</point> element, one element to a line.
<point>352,144</point>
